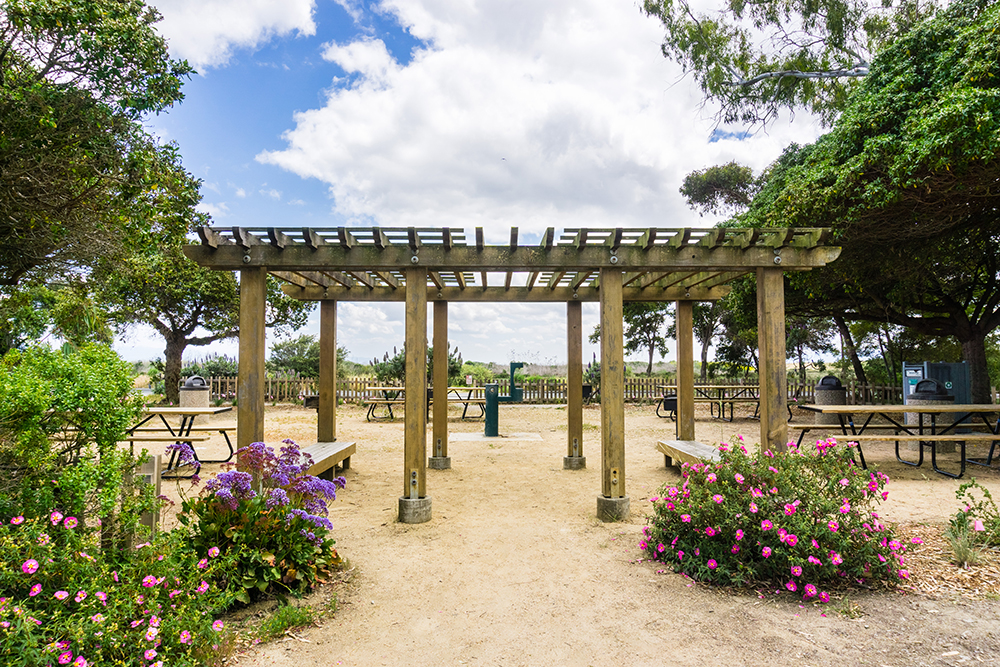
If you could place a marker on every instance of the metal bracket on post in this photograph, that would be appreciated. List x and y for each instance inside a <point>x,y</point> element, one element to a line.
<point>413,485</point>
<point>576,447</point>
<point>437,447</point>
<point>615,493</point>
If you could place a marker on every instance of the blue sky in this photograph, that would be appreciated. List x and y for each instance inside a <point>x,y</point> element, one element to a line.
<point>460,113</point>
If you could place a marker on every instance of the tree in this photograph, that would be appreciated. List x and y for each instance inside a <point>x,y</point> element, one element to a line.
<point>707,321</point>
<point>804,335</point>
<point>756,58</point>
<point>162,288</point>
<point>907,179</point>
<point>726,188</point>
<point>644,329</point>
<point>76,79</point>
<point>300,356</point>
<point>393,369</point>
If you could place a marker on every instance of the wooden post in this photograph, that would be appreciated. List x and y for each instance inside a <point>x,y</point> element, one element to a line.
<point>771,345</point>
<point>326,423</point>
<point>574,459</point>
<point>250,387</point>
<point>685,370</point>
<point>414,504</point>
<point>613,503</point>
<point>439,456</point>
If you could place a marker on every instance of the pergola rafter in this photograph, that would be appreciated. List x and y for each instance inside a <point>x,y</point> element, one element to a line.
<point>438,265</point>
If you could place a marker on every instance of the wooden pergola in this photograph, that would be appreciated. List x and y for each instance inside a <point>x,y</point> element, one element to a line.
<point>440,265</point>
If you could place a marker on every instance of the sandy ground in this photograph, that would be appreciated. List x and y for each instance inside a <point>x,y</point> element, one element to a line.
<point>515,569</point>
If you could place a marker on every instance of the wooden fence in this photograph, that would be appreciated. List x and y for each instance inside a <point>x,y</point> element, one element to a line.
<point>546,390</point>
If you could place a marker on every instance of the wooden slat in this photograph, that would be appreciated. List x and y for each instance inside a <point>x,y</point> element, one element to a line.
<point>680,239</point>
<point>415,429</point>
<point>532,277</point>
<point>685,370</point>
<point>548,237</point>
<point>631,277</point>
<point>556,277</point>
<point>362,278</point>
<point>581,278</point>
<point>326,416</point>
<point>347,240</point>
<point>479,239</point>
<point>446,238</point>
<point>436,279</point>
<point>687,451</point>
<point>507,279</point>
<point>244,238</point>
<point>312,239</point>
<point>413,238</point>
<point>513,237</point>
<point>338,276</point>
<point>482,277</point>
<point>614,240</point>
<point>648,239</point>
<point>278,238</point>
<point>460,277</point>
<point>387,278</point>
<point>380,239</point>
<point>250,390</point>
<point>580,242</point>
<point>211,238</point>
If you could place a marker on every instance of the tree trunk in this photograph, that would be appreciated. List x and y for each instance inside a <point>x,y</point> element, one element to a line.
<point>974,353</point>
<point>649,367</point>
<point>704,359</point>
<point>174,355</point>
<point>852,351</point>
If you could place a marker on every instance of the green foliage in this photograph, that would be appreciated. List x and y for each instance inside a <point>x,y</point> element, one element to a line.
<point>644,328</point>
<point>278,534</point>
<point>979,516</point>
<point>66,600</point>
<point>756,59</point>
<point>213,365</point>
<point>797,520</point>
<point>62,415</point>
<point>481,373</point>
<point>392,370</point>
<point>720,189</point>
<point>77,77</point>
<point>286,617</point>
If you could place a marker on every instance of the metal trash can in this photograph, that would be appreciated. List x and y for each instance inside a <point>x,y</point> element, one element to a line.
<point>830,391</point>
<point>931,392</point>
<point>194,393</point>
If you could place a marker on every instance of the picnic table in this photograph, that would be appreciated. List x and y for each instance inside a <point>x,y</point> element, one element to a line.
<point>855,420</point>
<point>386,397</point>
<point>184,433</point>
<point>718,396</point>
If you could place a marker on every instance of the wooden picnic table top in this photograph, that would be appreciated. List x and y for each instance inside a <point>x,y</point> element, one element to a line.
<point>186,411</point>
<point>900,409</point>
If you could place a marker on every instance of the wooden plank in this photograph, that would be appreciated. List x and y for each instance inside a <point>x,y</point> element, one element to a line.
<point>439,442</point>
<point>362,278</point>
<point>479,239</point>
<point>904,437</point>
<point>244,238</point>
<point>415,430</point>
<point>211,238</point>
<point>346,238</point>
<point>312,239</point>
<point>685,370</point>
<point>612,386</point>
<point>513,238</point>
<point>250,388</point>
<point>166,438</point>
<point>326,456</point>
<point>278,238</point>
<point>413,239</point>
<point>771,350</point>
<point>687,451</point>
<point>326,418</point>
<point>574,378</point>
<point>446,238</point>
<point>547,238</point>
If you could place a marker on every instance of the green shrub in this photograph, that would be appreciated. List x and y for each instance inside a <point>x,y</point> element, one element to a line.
<point>801,521</point>
<point>280,535</point>
<point>977,524</point>
<point>65,602</point>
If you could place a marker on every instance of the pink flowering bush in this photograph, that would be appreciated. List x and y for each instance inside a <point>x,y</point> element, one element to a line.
<point>979,517</point>
<point>279,533</point>
<point>64,601</point>
<point>799,520</point>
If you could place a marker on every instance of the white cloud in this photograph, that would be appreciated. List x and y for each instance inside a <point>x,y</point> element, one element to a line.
<point>207,32</point>
<point>272,193</point>
<point>240,192</point>
<point>559,114</point>
<point>219,210</point>
<point>296,202</point>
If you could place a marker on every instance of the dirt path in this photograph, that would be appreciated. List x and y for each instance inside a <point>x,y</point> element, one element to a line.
<point>514,568</point>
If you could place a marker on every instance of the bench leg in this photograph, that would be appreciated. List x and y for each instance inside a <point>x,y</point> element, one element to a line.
<point>346,464</point>
<point>945,472</point>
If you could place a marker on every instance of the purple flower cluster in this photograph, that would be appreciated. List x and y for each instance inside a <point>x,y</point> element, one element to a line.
<point>231,486</point>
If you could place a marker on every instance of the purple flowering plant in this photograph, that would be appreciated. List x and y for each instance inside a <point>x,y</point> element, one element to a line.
<point>803,519</point>
<point>277,528</point>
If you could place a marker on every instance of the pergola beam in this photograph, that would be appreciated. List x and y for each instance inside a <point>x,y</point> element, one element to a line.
<point>503,294</point>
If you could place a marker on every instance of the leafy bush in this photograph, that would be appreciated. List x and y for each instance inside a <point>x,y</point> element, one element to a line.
<point>66,602</point>
<point>977,524</point>
<point>280,535</point>
<point>213,365</point>
<point>392,370</point>
<point>481,373</point>
<point>62,414</point>
<point>801,521</point>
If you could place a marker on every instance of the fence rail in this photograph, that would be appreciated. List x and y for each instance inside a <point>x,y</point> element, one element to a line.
<point>547,390</point>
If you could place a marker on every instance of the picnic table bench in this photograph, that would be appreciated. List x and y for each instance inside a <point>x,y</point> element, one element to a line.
<point>676,452</point>
<point>326,457</point>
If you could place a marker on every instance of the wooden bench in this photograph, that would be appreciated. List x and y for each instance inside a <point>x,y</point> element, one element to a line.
<point>327,455</point>
<point>676,452</point>
<point>932,440</point>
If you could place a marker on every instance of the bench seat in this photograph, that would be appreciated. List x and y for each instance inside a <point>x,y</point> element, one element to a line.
<point>327,455</point>
<point>166,437</point>
<point>676,452</point>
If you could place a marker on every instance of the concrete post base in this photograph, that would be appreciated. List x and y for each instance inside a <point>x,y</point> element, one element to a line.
<point>439,462</point>
<point>574,462</point>
<point>612,509</point>
<point>415,510</point>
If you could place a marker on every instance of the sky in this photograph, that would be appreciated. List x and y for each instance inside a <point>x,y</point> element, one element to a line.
<point>458,113</point>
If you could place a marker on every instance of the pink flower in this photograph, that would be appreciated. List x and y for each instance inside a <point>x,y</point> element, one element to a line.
<point>753,508</point>
<point>55,517</point>
<point>735,549</point>
<point>791,540</point>
<point>65,658</point>
<point>796,571</point>
<point>80,661</point>
<point>97,618</point>
<point>71,522</point>
<point>814,560</point>
<point>833,526</point>
<point>661,547</point>
<point>756,493</point>
<point>824,596</point>
<point>203,587</point>
<point>61,595</point>
<point>185,637</point>
<point>789,509</point>
<point>712,564</point>
<point>643,545</point>
<point>810,591</point>
<point>149,654</point>
<point>739,534</point>
<point>217,626</point>
<point>739,478</point>
<point>710,531</point>
<point>710,477</point>
<point>686,518</point>
<point>30,566</point>
<point>80,596</point>
<point>151,634</point>
<point>766,524</point>
<point>766,552</point>
<point>844,482</point>
<point>203,563</point>
<point>35,590</point>
<point>977,525</point>
<point>17,520</point>
<point>917,540</point>
<point>791,586</point>
<point>102,596</point>
<point>680,555</point>
<point>815,544</point>
<point>718,500</point>
<point>149,581</point>
<point>846,507</point>
<point>836,558</point>
<point>213,552</point>
<point>904,574</point>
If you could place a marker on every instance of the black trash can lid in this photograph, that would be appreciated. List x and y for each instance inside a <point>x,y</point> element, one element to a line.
<point>829,382</point>
<point>930,389</point>
<point>195,382</point>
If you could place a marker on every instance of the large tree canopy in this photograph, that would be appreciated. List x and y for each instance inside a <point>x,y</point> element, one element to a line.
<point>908,180</point>
<point>76,78</point>
<point>756,58</point>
